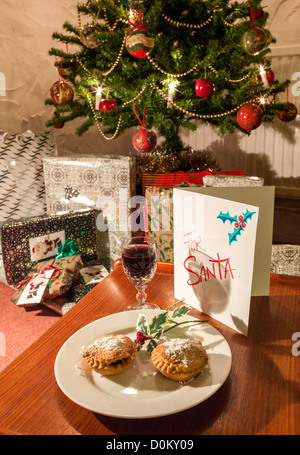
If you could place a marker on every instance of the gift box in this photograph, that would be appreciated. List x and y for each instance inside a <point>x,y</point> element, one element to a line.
<point>159,203</point>
<point>22,186</point>
<point>169,180</point>
<point>105,183</point>
<point>88,278</point>
<point>232,180</point>
<point>31,240</point>
<point>64,270</point>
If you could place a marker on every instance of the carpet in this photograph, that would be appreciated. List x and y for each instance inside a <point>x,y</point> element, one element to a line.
<point>19,326</point>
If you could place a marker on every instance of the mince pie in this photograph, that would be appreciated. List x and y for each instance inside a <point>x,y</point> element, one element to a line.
<point>110,354</point>
<point>179,359</point>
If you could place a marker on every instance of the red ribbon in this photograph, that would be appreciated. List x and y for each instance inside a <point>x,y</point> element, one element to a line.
<point>41,271</point>
<point>185,176</point>
<point>138,25</point>
<point>255,92</point>
<point>61,62</point>
<point>252,17</point>
<point>141,122</point>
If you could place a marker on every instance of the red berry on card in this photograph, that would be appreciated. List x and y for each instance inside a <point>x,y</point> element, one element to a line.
<point>243,225</point>
<point>240,218</point>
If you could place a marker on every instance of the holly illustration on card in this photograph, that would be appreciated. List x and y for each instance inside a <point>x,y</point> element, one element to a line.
<point>239,223</point>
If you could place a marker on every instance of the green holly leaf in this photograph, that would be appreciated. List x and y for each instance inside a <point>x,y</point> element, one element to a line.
<point>181,311</point>
<point>226,217</point>
<point>151,345</point>
<point>156,326</point>
<point>248,215</point>
<point>142,325</point>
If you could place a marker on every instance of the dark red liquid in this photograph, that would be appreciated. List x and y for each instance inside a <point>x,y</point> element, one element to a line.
<point>139,262</point>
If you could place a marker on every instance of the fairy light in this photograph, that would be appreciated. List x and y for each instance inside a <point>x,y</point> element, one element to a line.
<point>263,76</point>
<point>131,15</point>
<point>171,93</point>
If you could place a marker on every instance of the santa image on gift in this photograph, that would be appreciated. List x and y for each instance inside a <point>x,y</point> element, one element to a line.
<point>45,247</point>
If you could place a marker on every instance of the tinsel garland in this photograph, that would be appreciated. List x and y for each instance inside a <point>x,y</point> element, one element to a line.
<point>164,160</point>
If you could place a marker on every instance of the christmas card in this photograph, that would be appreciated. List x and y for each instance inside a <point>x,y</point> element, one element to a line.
<point>222,249</point>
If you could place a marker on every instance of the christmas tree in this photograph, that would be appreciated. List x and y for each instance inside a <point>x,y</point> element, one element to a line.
<point>160,65</point>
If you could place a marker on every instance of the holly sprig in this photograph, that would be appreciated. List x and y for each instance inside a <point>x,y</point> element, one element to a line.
<point>153,330</point>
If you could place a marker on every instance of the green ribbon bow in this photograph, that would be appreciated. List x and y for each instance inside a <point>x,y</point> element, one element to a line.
<point>67,249</point>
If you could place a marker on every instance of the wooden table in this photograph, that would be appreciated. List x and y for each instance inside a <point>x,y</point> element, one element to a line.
<point>260,395</point>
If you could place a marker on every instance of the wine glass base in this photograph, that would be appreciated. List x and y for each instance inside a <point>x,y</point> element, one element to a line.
<point>142,306</point>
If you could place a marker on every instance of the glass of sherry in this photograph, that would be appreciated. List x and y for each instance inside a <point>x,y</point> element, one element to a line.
<point>139,260</point>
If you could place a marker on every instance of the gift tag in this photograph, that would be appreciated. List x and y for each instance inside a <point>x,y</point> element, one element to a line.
<point>34,291</point>
<point>46,245</point>
<point>93,274</point>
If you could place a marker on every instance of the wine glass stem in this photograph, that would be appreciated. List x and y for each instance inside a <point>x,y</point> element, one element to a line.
<point>141,295</point>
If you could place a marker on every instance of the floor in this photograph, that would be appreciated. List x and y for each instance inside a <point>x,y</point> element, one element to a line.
<point>19,327</point>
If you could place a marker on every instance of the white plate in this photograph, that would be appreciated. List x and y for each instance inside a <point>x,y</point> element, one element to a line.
<point>141,391</point>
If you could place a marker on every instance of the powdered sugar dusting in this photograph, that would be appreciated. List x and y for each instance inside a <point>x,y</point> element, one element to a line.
<point>109,343</point>
<point>182,349</point>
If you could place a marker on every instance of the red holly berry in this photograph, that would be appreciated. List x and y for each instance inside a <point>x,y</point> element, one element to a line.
<point>141,338</point>
<point>236,225</point>
<point>243,225</point>
<point>240,218</point>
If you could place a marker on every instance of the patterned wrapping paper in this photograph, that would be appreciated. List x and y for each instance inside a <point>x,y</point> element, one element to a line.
<point>68,271</point>
<point>79,226</point>
<point>232,180</point>
<point>105,183</point>
<point>171,179</point>
<point>22,186</point>
<point>62,304</point>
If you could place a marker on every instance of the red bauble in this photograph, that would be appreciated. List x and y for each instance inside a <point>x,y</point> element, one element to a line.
<point>204,88</point>
<point>250,116</point>
<point>61,93</point>
<point>144,140</point>
<point>59,125</point>
<point>257,14</point>
<point>107,105</point>
<point>139,42</point>
<point>290,114</point>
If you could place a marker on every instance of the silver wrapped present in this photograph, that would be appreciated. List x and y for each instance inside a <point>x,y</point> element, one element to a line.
<point>232,180</point>
<point>22,186</point>
<point>105,183</point>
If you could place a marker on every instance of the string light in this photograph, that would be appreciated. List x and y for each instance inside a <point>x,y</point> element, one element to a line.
<point>263,76</point>
<point>172,84</point>
<point>131,15</point>
<point>98,98</point>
